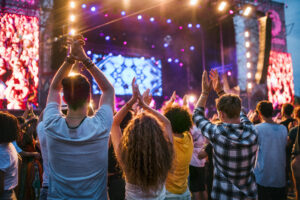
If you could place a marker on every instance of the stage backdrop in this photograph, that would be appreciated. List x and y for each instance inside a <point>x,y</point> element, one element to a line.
<point>19,58</point>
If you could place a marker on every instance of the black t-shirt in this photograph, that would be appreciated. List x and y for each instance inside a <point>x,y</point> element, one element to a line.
<point>287,122</point>
<point>293,134</point>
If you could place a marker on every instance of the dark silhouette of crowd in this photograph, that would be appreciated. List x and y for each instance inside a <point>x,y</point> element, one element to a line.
<point>140,152</point>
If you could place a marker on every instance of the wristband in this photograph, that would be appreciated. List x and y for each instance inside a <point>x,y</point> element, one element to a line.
<point>88,63</point>
<point>70,60</point>
<point>220,92</point>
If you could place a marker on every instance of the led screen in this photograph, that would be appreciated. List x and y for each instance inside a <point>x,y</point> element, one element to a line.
<point>19,56</point>
<point>120,71</point>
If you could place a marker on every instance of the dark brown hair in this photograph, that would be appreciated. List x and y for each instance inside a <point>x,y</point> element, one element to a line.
<point>287,109</point>
<point>76,90</point>
<point>297,112</point>
<point>265,108</point>
<point>9,127</point>
<point>145,153</point>
<point>230,104</point>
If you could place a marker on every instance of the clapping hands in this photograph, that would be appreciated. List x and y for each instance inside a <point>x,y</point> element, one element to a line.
<point>77,51</point>
<point>213,82</point>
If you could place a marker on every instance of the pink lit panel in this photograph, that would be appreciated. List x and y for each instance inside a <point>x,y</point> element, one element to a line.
<point>19,57</point>
<point>280,78</point>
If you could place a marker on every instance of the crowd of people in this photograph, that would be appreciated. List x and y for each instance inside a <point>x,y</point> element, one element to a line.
<point>143,153</point>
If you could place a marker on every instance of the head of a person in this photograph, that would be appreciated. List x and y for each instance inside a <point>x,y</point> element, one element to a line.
<point>9,127</point>
<point>180,118</point>
<point>297,113</point>
<point>287,110</point>
<point>229,107</point>
<point>76,91</point>
<point>265,109</point>
<point>145,153</point>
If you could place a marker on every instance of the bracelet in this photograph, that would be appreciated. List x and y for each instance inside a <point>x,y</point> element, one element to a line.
<point>88,63</point>
<point>220,92</point>
<point>70,60</point>
<point>204,94</point>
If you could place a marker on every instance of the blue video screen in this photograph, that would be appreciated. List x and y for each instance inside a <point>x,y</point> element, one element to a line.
<point>120,70</point>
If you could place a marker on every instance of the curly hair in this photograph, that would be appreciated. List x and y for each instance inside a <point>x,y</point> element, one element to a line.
<point>10,127</point>
<point>180,118</point>
<point>145,153</point>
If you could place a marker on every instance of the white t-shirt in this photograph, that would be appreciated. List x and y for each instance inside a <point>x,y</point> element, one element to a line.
<point>77,156</point>
<point>9,165</point>
<point>199,144</point>
<point>43,144</point>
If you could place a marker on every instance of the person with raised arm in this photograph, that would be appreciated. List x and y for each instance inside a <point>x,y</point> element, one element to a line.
<point>77,144</point>
<point>144,151</point>
<point>234,143</point>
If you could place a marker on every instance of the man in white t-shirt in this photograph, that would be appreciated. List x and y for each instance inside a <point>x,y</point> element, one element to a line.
<point>77,144</point>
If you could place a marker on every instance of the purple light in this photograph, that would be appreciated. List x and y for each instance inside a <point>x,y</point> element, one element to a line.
<point>192,48</point>
<point>198,26</point>
<point>182,50</point>
<point>231,12</point>
<point>166,45</point>
<point>176,60</point>
<point>106,15</point>
<point>152,46</point>
<point>139,17</point>
<point>125,43</point>
<point>123,13</point>
<point>107,38</point>
<point>152,58</point>
<point>110,54</point>
<point>180,28</point>
<point>83,6</point>
<point>180,64</point>
<point>229,73</point>
<point>101,34</point>
<point>152,19</point>
<point>85,39</point>
<point>169,60</point>
<point>169,21</point>
<point>93,9</point>
<point>89,52</point>
<point>190,25</point>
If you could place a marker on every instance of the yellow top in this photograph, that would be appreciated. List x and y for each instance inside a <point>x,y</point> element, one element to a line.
<point>177,180</point>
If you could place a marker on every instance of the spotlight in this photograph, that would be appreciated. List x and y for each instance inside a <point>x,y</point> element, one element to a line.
<point>247,44</point>
<point>72,31</point>
<point>125,42</point>
<point>248,54</point>
<point>110,54</point>
<point>106,15</point>
<point>229,73</point>
<point>222,6</point>
<point>139,17</point>
<point>72,4</point>
<point>89,52</point>
<point>152,19</point>
<point>180,27</point>
<point>190,25</point>
<point>192,98</point>
<point>231,12</point>
<point>72,18</point>
<point>83,6</point>
<point>107,38</point>
<point>152,46</point>
<point>72,74</point>
<point>247,11</point>
<point>166,45</point>
<point>193,2</point>
<point>249,75</point>
<point>180,64</point>
<point>247,34</point>
<point>143,58</point>
<point>119,55</point>
<point>248,65</point>
<point>198,26</point>
<point>169,60</point>
<point>123,13</point>
<point>169,21</point>
<point>152,58</point>
<point>182,50</point>
<point>192,48</point>
<point>176,60</point>
<point>249,85</point>
<point>93,9</point>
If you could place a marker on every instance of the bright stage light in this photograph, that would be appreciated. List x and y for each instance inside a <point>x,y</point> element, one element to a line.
<point>125,43</point>
<point>222,6</point>
<point>247,34</point>
<point>152,19</point>
<point>166,45</point>
<point>248,54</point>
<point>247,11</point>
<point>72,4</point>
<point>192,48</point>
<point>190,25</point>
<point>83,6</point>
<point>176,60</point>
<point>72,74</point>
<point>123,13</point>
<point>231,12</point>
<point>247,44</point>
<point>72,18</point>
<point>89,52</point>
<point>72,31</point>
<point>107,38</point>
<point>192,98</point>
<point>249,75</point>
<point>93,9</point>
<point>198,26</point>
<point>169,21</point>
<point>193,2</point>
<point>249,85</point>
<point>248,65</point>
<point>169,60</point>
<point>139,17</point>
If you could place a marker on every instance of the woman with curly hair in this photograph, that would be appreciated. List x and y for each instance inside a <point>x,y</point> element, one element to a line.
<point>8,156</point>
<point>144,152</point>
<point>181,122</point>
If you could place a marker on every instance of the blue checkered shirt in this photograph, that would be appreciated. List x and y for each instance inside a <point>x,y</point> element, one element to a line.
<point>235,147</point>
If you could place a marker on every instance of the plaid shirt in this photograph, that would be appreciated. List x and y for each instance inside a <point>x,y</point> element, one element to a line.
<point>235,147</point>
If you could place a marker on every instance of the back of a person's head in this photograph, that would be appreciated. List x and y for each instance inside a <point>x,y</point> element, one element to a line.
<point>265,108</point>
<point>287,109</point>
<point>180,118</point>
<point>145,153</point>
<point>76,91</point>
<point>297,113</point>
<point>229,104</point>
<point>9,127</point>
